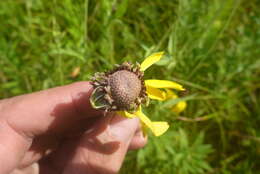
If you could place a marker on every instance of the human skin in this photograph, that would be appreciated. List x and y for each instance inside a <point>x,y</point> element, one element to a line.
<point>56,131</point>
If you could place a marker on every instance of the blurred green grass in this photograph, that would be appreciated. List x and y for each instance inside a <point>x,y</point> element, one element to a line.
<point>212,48</point>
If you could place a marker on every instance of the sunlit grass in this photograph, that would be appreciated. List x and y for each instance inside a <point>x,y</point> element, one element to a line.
<point>212,48</point>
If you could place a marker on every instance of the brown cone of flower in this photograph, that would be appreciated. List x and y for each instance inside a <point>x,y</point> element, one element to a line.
<point>120,89</point>
<point>125,88</point>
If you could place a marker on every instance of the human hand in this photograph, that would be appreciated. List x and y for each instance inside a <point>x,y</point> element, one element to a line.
<point>57,132</point>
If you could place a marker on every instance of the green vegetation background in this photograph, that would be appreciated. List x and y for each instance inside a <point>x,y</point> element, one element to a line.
<point>212,48</point>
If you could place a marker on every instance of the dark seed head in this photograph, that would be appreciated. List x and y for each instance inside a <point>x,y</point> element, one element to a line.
<point>125,88</point>
<point>122,88</point>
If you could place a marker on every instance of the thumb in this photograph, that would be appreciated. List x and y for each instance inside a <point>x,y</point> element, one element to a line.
<point>103,150</point>
<point>52,111</point>
<point>49,111</point>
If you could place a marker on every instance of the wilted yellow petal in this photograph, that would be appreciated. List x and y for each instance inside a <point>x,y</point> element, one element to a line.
<point>157,128</point>
<point>179,107</point>
<point>126,114</point>
<point>151,60</point>
<point>160,127</point>
<point>163,84</point>
<point>155,93</point>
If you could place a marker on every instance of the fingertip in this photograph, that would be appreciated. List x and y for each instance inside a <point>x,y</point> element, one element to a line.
<point>80,94</point>
<point>138,141</point>
<point>123,128</point>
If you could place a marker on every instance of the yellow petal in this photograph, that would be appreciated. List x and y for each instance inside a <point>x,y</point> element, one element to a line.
<point>163,84</point>
<point>160,127</point>
<point>151,60</point>
<point>147,122</point>
<point>155,93</point>
<point>126,114</point>
<point>170,94</point>
<point>157,128</point>
<point>179,107</point>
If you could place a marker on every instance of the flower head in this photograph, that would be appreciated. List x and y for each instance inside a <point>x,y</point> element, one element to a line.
<point>124,90</point>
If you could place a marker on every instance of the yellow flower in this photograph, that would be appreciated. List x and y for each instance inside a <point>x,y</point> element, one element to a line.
<point>180,106</point>
<point>153,90</point>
